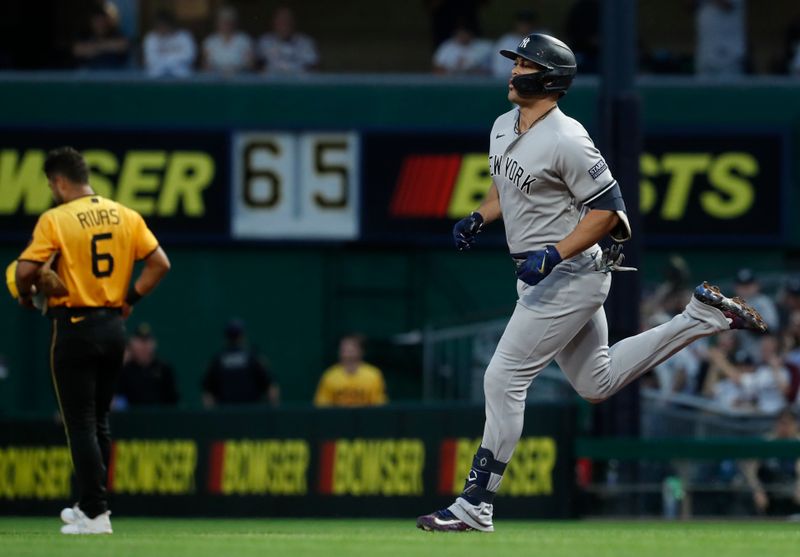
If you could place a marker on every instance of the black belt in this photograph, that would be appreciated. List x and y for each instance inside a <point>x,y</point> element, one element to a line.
<point>63,311</point>
<point>519,258</point>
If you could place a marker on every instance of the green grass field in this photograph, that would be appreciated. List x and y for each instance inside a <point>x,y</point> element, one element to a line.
<point>37,537</point>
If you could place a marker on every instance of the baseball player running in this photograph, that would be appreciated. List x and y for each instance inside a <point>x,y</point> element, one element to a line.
<point>557,199</point>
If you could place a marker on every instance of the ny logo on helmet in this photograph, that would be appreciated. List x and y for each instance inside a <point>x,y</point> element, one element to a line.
<point>524,42</point>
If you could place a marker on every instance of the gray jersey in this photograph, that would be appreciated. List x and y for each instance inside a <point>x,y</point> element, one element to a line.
<point>544,177</point>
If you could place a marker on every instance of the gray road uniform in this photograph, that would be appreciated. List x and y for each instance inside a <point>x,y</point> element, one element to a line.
<point>547,178</point>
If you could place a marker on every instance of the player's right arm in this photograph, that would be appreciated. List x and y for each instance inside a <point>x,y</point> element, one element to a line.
<point>465,230</point>
<point>490,207</point>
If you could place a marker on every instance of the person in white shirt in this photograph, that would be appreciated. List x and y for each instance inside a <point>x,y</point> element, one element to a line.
<point>284,50</point>
<point>768,385</point>
<point>524,25</point>
<point>228,51</point>
<point>726,366</point>
<point>721,38</point>
<point>793,48</point>
<point>463,53</point>
<point>168,51</point>
<point>747,286</point>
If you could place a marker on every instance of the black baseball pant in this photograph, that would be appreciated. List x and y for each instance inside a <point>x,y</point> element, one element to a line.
<point>85,360</point>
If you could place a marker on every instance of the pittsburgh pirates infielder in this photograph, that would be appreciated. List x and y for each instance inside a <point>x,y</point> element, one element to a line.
<point>557,199</point>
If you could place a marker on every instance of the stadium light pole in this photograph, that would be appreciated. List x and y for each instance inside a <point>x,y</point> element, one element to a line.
<point>620,142</point>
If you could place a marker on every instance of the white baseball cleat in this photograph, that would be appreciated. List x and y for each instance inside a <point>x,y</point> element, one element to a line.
<point>70,515</point>
<point>101,524</point>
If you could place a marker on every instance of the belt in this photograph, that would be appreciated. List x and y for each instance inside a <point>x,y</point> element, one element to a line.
<point>64,311</point>
<point>519,258</point>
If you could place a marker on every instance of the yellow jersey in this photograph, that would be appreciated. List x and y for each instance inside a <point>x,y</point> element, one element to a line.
<point>97,241</point>
<point>364,387</point>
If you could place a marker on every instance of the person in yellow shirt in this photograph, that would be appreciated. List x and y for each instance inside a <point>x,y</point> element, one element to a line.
<point>92,244</point>
<point>351,382</point>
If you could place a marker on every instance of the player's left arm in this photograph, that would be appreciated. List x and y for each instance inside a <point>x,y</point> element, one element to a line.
<point>594,190</point>
<point>595,226</point>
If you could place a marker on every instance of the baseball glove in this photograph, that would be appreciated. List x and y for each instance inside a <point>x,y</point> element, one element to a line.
<point>48,282</point>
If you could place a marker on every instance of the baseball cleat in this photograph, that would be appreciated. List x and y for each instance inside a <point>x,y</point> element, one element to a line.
<point>101,524</point>
<point>442,521</point>
<point>70,515</point>
<point>742,316</point>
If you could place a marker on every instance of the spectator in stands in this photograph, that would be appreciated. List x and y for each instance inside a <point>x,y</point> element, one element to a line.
<point>789,300</point>
<point>791,337</point>
<point>747,286</point>
<point>145,379</point>
<point>446,15</point>
<point>583,34</point>
<point>680,373</point>
<point>284,50</point>
<point>775,483</point>
<point>671,294</point>
<point>525,23</point>
<point>352,381</point>
<point>103,46</point>
<point>721,38</point>
<point>726,365</point>
<point>792,63</point>
<point>169,51</point>
<point>228,51</point>
<point>768,386</point>
<point>463,53</point>
<point>238,374</point>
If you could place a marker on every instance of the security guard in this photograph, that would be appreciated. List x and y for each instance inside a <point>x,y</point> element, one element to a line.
<point>97,242</point>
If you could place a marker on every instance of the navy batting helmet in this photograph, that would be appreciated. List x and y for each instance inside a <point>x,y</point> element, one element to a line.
<point>553,56</point>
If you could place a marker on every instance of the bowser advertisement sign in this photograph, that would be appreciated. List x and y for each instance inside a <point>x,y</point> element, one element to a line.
<point>388,461</point>
<point>176,180</point>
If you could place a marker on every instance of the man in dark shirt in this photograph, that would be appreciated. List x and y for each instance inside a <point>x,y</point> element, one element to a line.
<point>145,379</point>
<point>238,374</point>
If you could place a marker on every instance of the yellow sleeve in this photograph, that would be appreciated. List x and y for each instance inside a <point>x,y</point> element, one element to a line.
<point>144,240</point>
<point>44,241</point>
<point>323,396</point>
<point>379,389</point>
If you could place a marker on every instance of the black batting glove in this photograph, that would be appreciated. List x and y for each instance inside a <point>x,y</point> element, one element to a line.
<point>538,265</point>
<point>465,230</point>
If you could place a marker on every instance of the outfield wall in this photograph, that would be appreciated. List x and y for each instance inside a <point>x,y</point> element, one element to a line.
<point>399,462</point>
<point>718,187</point>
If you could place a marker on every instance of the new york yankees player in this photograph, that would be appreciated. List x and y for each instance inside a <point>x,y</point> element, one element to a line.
<point>557,199</point>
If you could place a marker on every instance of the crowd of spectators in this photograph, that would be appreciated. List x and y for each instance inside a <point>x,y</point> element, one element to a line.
<point>169,50</point>
<point>736,370</point>
<point>240,374</point>
<point>722,46</point>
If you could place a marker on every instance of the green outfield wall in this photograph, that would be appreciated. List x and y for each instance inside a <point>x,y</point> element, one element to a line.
<point>298,297</point>
<point>400,461</point>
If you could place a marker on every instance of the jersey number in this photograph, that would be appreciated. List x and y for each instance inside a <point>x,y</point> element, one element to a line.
<point>102,263</point>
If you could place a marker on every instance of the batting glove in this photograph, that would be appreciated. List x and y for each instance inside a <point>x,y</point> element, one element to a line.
<point>465,230</point>
<point>611,260</point>
<point>538,265</point>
